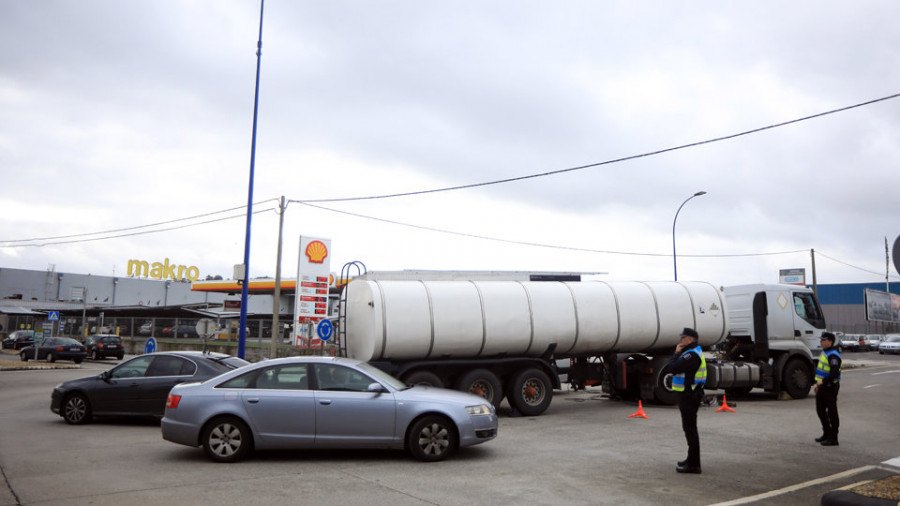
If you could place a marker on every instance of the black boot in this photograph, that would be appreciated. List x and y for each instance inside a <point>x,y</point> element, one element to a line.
<point>821,438</point>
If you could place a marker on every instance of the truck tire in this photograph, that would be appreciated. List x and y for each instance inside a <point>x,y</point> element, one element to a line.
<point>796,379</point>
<point>482,383</point>
<point>530,392</point>
<point>662,386</point>
<point>427,378</point>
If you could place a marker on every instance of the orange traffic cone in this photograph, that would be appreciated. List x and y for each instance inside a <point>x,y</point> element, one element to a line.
<point>640,411</point>
<point>724,406</point>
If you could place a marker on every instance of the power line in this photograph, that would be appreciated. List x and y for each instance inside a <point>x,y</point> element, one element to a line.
<point>541,245</point>
<point>138,227</point>
<point>52,241</point>
<point>854,266</point>
<point>608,162</point>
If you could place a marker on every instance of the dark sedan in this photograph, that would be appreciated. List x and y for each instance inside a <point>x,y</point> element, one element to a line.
<point>53,349</point>
<point>137,387</point>
<point>18,339</point>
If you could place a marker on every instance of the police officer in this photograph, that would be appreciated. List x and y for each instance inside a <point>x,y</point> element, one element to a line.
<point>689,368</point>
<point>828,382</point>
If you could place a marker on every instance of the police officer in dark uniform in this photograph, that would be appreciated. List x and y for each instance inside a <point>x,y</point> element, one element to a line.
<point>828,382</point>
<point>689,368</point>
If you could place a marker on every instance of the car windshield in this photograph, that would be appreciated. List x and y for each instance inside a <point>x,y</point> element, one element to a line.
<point>66,341</point>
<point>893,339</point>
<point>381,376</point>
<point>230,362</point>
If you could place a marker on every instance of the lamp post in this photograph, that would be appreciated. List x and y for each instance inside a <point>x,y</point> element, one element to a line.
<point>674,258</point>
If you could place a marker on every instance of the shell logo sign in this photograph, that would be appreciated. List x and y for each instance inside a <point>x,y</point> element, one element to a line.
<point>316,251</point>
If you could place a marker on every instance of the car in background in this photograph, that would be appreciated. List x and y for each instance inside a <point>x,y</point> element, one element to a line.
<point>182,330</point>
<point>18,339</point>
<point>136,387</point>
<point>53,349</point>
<point>851,342</point>
<point>872,341</point>
<point>890,344</point>
<point>145,329</point>
<point>323,402</point>
<point>99,346</point>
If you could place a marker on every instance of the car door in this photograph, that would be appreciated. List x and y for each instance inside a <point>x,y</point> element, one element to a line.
<point>347,414</point>
<point>118,390</point>
<point>280,406</point>
<point>165,372</point>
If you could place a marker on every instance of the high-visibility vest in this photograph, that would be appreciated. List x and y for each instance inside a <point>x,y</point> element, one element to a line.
<point>823,368</point>
<point>699,376</point>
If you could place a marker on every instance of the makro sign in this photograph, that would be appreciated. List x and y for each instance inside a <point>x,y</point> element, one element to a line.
<point>164,270</point>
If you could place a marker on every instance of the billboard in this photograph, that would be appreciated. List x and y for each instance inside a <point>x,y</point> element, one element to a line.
<point>792,276</point>
<point>882,306</point>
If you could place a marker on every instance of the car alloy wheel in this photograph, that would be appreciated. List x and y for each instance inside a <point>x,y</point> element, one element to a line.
<point>226,439</point>
<point>95,355</point>
<point>76,410</point>
<point>432,438</point>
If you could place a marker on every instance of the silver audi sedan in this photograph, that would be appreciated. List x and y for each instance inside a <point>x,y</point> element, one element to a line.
<point>323,402</point>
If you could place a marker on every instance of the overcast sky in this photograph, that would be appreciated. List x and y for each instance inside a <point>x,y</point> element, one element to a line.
<point>116,115</point>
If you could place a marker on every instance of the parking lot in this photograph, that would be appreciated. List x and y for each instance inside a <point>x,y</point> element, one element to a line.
<point>584,450</point>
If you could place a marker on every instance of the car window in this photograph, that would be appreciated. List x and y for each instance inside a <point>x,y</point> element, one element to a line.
<point>168,365</point>
<point>247,380</point>
<point>339,378</point>
<point>286,377</point>
<point>135,368</point>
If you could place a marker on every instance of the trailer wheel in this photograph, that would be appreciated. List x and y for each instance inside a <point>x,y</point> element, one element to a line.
<point>530,392</point>
<point>483,383</point>
<point>796,379</point>
<point>426,378</point>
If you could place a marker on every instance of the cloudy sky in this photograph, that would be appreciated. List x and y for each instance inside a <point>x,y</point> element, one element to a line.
<point>125,132</point>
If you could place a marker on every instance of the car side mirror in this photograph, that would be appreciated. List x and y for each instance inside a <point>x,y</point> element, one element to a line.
<point>375,387</point>
<point>104,376</point>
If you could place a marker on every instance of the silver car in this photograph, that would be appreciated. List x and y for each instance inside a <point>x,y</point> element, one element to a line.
<point>323,402</point>
<point>891,344</point>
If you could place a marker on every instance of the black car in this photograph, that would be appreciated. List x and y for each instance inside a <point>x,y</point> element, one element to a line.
<point>53,349</point>
<point>18,339</point>
<point>137,387</point>
<point>104,345</point>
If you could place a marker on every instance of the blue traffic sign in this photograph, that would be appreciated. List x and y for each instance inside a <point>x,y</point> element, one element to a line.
<point>53,316</point>
<point>150,346</point>
<point>325,328</point>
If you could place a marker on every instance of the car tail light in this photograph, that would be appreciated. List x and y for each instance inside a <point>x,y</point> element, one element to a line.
<point>59,348</point>
<point>172,401</point>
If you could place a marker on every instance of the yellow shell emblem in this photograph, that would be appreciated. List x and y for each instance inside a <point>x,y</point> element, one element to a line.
<point>316,251</point>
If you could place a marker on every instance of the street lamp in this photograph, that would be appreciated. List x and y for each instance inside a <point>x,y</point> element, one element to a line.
<point>674,259</point>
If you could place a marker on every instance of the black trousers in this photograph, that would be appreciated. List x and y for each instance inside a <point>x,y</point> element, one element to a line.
<point>689,404</point>
<point>826,408</point>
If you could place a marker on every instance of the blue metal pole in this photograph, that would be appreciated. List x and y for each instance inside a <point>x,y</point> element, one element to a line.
<point>242,332</point>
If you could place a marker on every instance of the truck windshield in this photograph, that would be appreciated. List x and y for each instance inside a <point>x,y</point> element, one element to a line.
<point>806,307</point>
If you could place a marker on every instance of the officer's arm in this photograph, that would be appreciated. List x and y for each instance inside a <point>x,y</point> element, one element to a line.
<point>835,364</point>
<point>684,363</point>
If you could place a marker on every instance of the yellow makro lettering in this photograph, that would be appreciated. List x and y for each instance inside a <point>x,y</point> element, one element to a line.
<point>164,270</point>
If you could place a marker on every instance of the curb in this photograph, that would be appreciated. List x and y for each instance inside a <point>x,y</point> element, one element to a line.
<point>848,498</point>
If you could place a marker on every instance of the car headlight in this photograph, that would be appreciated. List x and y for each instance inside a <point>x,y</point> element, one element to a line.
<point>480,410</point>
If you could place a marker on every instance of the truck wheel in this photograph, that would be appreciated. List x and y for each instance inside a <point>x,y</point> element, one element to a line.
<point>482,383</point>
<point>530,392</point>
<point>662,386</point>
<point>432,438</point>
<point>426,378</point>
<point>796,379</point>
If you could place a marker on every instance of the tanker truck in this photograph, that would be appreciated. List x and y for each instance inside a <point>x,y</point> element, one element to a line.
<point>507,338</point>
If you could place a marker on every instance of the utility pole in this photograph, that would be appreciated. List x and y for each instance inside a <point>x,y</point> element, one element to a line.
<point>812,253</point>
<point>276,305</point>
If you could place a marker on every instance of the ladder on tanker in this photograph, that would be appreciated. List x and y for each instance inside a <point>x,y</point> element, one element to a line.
<point>343,280</point>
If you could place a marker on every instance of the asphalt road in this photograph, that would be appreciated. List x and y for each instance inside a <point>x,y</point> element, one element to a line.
<point>583,450</point>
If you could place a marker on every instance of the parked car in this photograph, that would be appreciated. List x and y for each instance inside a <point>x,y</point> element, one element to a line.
<point>333,403</point>
<point>101,346</point>
<point>53,349</point>
<point>137,387</point>
<point>891,344</point>
<point>851,342</point>
<point>180,331</point>
<point>872,341</point>
<point>18,339</point>
<point>145,329</point>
